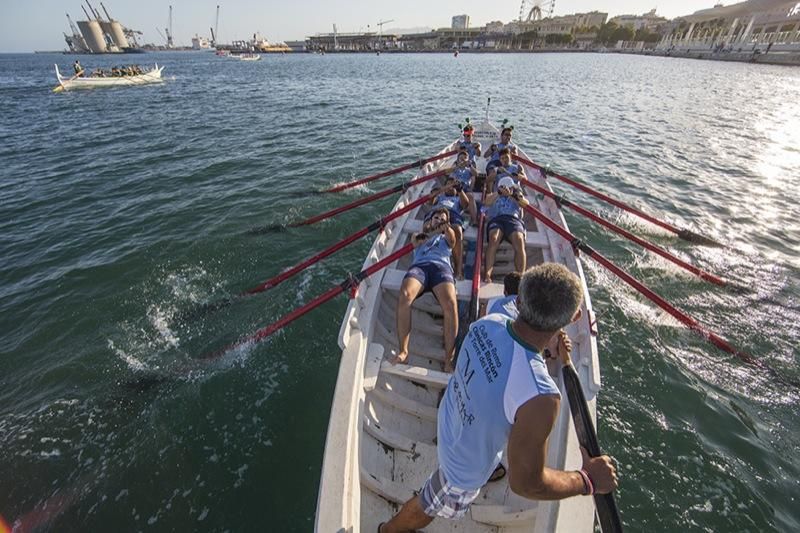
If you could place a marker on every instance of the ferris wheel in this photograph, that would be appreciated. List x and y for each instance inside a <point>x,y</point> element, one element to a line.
<point>533,10</point>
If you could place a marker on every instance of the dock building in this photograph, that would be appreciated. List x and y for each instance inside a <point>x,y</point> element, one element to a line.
<point>773,25</point>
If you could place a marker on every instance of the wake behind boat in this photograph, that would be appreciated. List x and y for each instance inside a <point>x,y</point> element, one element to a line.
<point>381,442</point>
<point>93,81</point>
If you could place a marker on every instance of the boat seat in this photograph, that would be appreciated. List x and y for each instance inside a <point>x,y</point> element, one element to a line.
<point>417,374</point>
<point>533,239</point>
<point>393,280</point>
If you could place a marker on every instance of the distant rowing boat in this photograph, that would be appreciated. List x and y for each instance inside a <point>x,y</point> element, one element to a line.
<point>250,57</point>
<point>90,82</point>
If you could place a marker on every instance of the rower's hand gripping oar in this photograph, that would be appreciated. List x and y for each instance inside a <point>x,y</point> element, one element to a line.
<point>562,201</point>
<point>351,284</point>
<point>682,317</point>
<point>415,164</point>
<point>684,234</point>
<point>606,505</point>
<point>352,205</point>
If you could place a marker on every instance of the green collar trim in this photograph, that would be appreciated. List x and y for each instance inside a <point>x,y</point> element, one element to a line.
<point>518,339</point>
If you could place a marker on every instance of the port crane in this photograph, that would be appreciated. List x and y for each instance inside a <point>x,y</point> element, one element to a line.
<point>380,26</point>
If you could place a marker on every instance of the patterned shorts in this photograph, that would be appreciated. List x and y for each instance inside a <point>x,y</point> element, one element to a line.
<point>439,498</point>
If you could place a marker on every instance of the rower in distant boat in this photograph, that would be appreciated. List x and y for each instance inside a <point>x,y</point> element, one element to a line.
<point>453,197</point>
<point>501,394</point>
<point>493,153</point>
<point>77,68</point>
<point>505,223</point>
<point>505,167</point>
<point>430,271</point>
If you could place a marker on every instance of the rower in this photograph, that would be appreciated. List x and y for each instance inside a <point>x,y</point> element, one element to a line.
<point>505,223</point>
<point>430,271</point>
<point>453,197</point>
<point>467,175</point>
<point>505,167</point>
<point>506,304</point>
<point>493,153</point>
<point>472,148</point>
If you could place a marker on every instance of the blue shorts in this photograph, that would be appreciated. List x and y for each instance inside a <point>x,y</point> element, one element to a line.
<point>507,224</point>
<point>439,498</point>
<point>430,275</point>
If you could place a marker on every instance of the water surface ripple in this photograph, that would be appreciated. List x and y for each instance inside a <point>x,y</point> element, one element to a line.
<point>120,210</point>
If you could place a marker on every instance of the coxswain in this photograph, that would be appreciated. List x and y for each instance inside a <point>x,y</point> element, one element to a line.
<point>510,403</point>
<point>78,69</point>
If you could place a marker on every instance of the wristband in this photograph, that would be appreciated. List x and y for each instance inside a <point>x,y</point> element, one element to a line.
<point>588,486</point>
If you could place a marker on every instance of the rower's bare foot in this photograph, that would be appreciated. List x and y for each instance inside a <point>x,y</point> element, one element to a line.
<point>399,358</point>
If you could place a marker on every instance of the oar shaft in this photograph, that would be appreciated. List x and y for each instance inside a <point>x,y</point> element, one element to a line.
<point>641,287</point>
<point>598,194</point>
<point>474,303</point>
<point>367,199</point>
<point>378,224</point>
<point>560,200</point>
<point>380,175</point>
<point>351,282</point>
<point>607,511</point>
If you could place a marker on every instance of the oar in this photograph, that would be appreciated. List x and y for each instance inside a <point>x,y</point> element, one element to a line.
<point>380,175</point>
<point>684,234</point>
<point>682,317</point>
<point>562,201</point>
<point>351,283</point>
<point>351,205</point>
<point>60,86</point>
<point>330,250</point>
<point>606,505</point>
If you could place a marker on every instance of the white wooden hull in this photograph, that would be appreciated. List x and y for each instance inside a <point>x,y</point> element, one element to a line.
<point>380,445</point>
<point>68,84</point>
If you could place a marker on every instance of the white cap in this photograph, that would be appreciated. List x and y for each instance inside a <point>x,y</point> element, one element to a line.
<point>506,181</point>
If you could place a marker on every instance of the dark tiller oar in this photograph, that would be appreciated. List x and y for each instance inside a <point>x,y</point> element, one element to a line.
<point>682,317</point>
<point>684,234</point>
<point>560,200</point>
<point>351,283</point>
<point>351,205</point>
<point>606,505</point>
<point>374,177</point>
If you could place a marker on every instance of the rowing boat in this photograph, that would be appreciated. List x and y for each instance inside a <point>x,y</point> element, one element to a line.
<point>250,57</point>
<point>380,445</point>
<point>91,82</point>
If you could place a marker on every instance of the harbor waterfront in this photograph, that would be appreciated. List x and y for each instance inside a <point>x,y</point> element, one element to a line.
<point>122,209</point>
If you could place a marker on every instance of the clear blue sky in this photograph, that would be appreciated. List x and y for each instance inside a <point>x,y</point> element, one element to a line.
<point>27,25</point>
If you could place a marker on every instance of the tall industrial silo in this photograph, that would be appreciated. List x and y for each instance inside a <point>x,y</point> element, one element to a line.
<point>114,29</point>
<point>93,35</point>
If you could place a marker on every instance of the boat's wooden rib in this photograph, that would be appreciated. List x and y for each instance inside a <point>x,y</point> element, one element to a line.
<point>381,438</point>
<point>417,374</point>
